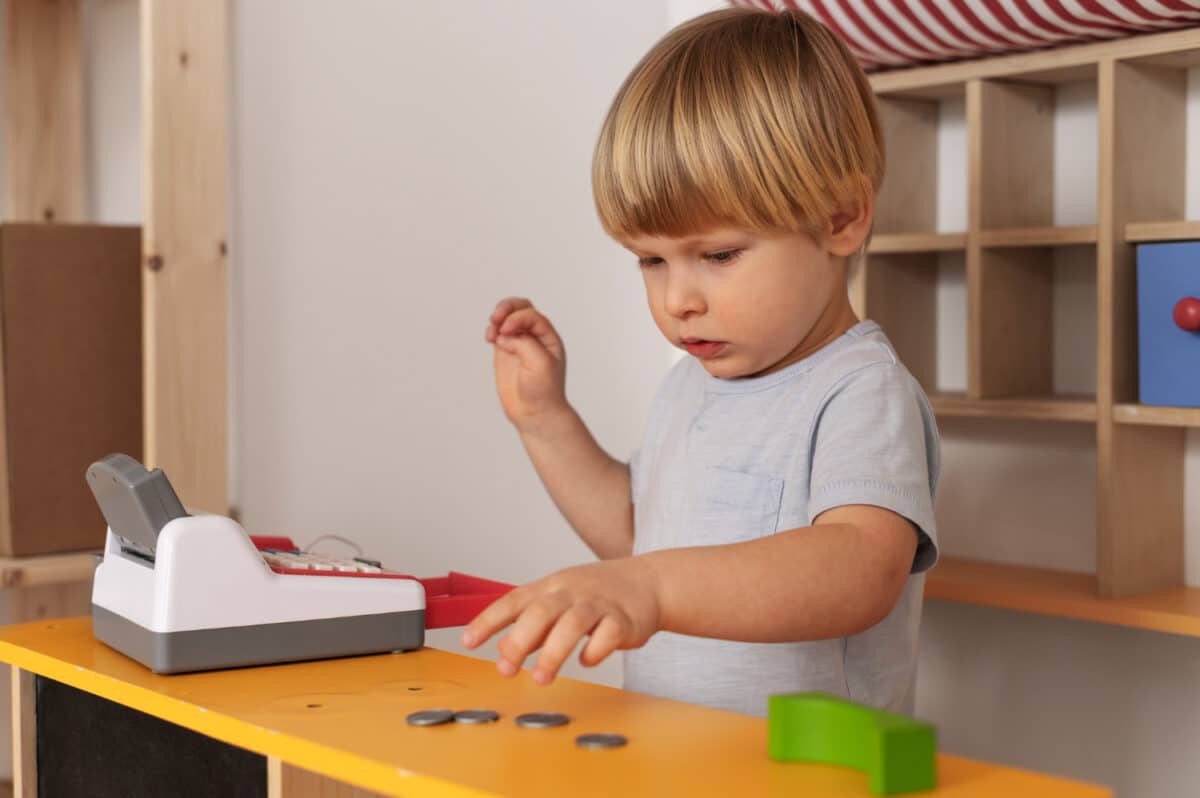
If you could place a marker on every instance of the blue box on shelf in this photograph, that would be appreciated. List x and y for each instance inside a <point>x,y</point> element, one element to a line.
<point>1168,288</point>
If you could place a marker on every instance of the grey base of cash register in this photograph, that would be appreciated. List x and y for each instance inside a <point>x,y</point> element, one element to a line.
<point>237,646</point>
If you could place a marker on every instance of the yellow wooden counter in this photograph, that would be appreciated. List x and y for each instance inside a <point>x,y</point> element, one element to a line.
<point>345,719</point>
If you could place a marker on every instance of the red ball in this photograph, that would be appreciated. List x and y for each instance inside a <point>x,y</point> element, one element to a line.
<point>1187,314</point>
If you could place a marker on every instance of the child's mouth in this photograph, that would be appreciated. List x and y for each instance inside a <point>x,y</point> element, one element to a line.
<point>698,347</point>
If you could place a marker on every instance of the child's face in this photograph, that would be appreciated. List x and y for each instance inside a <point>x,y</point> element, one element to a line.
<point>744,304</point>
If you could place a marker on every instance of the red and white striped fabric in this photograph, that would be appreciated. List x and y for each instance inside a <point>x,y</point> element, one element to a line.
<point>892,33</point>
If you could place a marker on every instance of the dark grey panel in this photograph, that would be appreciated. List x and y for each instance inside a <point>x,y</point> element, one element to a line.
<point>88,747</point>
<point>237,646</point>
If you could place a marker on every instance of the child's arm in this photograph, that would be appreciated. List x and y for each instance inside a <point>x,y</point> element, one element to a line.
<point>836,578</point>
<point>591,489</point>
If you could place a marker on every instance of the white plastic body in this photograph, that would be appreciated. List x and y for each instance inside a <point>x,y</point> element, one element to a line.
<point>207,574</point>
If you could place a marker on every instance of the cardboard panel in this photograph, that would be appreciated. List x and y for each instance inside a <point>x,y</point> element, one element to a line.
<point>71,331</point>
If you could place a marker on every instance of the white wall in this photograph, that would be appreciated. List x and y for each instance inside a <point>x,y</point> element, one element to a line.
<point>398,168</point>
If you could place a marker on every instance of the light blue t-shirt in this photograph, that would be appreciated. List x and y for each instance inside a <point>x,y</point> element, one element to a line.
<point>725,461</point>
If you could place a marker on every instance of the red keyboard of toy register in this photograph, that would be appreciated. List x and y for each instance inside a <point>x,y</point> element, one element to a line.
<point>451,600</point>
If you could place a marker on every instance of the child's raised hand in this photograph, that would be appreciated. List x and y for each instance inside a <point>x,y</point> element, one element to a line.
<point>530,362</point>
<point>615,602</point>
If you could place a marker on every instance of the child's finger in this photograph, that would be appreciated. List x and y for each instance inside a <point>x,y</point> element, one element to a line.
<point>497,615</point>
<point>508,305</point>
<point>530,321</point>
<point>509,664</point>
<point>491,332</point>
<point>529,631</point>
<point>605,639</point>
<point>530,351</point>
<point>571,627</point>
<point>521,321</point>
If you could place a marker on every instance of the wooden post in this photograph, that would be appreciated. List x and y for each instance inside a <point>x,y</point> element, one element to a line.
<point>289,781</point>
<point>1139,536</point>
<point>184,242</point>
<point>43,112</point>
<point>54,586</point>
<point>974,254</point>
<point>24,734</point>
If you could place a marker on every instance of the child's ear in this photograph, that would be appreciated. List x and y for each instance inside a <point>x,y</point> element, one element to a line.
<point>851,224</point>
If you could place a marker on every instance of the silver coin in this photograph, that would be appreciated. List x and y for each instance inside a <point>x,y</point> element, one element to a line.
<point>542,720</point>
<point>430,717</point>
<point>600,740</point>
<point>476,716</point>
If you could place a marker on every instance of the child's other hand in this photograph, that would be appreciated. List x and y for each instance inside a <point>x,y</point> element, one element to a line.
<point>530,362</point>
<point>615,602</point>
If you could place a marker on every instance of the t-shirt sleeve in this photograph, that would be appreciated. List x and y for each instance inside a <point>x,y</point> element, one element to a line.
<point>876,443</point>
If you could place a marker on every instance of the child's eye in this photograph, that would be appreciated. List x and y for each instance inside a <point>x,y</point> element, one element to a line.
<point>724,256</point>
<point>647,262</point>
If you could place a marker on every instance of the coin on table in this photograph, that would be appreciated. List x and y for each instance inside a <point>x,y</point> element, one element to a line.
<point>542,720</point>
<point>476,716</point>
<point>600,740</point>
<point>430,717</point>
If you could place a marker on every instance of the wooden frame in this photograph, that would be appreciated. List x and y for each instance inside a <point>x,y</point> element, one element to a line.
<point>186,280</point>
<point>24,734</point>
<point>1008,245</point>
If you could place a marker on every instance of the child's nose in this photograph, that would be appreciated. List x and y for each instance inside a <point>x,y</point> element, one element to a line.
<point>684,298</point>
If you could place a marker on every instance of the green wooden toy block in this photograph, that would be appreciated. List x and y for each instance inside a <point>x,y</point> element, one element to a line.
<point>897,752</point>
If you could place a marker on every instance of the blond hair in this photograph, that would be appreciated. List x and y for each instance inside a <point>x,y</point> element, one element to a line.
<point>758,120</point>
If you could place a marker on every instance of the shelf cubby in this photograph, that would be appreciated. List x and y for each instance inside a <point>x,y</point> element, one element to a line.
<point>899,291</point>
<point>1011,130</point>
<point>1012,307</point>
<point>1021,347</point>
<point>1156,210</point>
<point>906,209</point>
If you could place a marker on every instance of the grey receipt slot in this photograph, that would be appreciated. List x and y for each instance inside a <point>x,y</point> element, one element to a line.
<point>136,503</point>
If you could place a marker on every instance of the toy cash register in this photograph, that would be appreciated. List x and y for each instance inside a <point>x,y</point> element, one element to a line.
<point>180,592</point>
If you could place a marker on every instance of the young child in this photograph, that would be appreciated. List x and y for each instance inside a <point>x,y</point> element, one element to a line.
<point>772,532</point>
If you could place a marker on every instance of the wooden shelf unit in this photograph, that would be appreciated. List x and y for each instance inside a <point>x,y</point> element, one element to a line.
<point>1009,255</point>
